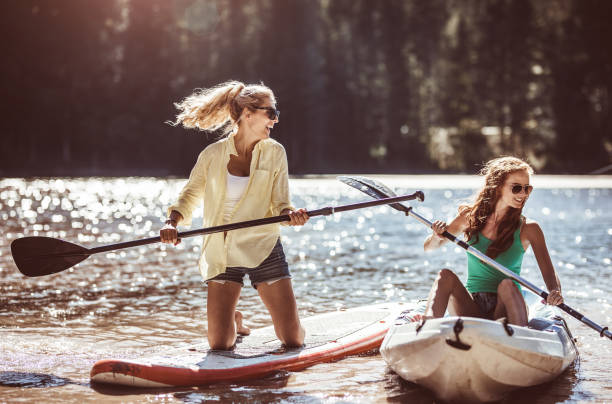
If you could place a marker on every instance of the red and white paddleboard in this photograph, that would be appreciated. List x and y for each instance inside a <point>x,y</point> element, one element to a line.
<point>329,337</point>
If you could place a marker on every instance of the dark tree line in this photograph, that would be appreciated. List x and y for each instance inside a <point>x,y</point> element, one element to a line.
<point>363,85</point>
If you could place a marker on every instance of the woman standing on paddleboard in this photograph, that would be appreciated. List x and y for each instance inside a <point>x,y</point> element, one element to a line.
<point>243,176</point>
<point>494,225</point>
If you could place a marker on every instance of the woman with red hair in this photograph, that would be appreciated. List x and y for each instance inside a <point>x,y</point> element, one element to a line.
<point>494,225</point>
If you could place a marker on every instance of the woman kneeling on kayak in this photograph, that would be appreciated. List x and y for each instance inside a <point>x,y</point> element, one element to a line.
<point>494,225</point>
<point>241,177</point>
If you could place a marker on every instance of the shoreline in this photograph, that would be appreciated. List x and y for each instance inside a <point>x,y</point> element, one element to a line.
<point>441,181</point>
<point>425,181</point>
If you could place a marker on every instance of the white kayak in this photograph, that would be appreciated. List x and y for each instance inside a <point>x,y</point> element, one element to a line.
<point>478,360</point>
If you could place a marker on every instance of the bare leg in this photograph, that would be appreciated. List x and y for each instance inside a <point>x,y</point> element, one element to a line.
<point>280,301</point>
<point>510,303</point>
<point>221,311</point>
<point>448,289</point>
<point>241,329</point>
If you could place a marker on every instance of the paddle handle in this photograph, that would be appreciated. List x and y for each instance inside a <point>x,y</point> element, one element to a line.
<point>603,331</point>
<point>256,222</point>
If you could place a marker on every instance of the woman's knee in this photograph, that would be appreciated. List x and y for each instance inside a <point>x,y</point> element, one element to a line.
<point>291,333</point>
<point>295,340</point>
<point>221,342</point>
<point>447,277</point>
<point>221,331</point>
<point>507,288</point>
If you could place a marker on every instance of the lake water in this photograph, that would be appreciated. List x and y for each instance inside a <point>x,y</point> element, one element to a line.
<point>148,299</point>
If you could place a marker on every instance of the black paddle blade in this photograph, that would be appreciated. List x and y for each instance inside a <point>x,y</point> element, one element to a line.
<point>38,256</point>
<point>377,189</point>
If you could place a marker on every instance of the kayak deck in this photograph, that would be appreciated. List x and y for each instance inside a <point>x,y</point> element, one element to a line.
<point>473,359</point>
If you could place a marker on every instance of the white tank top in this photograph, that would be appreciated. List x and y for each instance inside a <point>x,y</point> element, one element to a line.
<point>234,191</point>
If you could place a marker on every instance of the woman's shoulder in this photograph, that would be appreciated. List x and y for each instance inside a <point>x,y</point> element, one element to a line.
<point>215,146</point>
<point>459,222</point>
<point>527,222</point>
<point>210,152</point>
<point>463,213</point>
<point>531,229</point>
<point>271,144</point>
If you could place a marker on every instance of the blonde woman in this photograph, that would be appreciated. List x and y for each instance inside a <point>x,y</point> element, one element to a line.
<point>242,176</point>
<point>494,225</point>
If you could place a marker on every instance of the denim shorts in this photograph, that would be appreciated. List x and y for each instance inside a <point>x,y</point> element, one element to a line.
<point>272,269</point>
<point>486,301</point>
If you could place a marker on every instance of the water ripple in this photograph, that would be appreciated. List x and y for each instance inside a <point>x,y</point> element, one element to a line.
<point>141,300</point>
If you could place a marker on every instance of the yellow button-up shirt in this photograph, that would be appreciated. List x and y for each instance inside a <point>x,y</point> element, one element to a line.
<point>267,194</point>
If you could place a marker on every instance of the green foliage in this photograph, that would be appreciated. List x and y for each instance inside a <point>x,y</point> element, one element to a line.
<point>364,86</point>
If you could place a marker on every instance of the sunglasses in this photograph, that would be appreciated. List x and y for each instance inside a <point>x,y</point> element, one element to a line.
<point>516,188</point>
<point>272,113</point>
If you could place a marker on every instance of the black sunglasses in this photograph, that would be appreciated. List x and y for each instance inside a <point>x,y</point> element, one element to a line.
<point>272,113</point>
<point>516,188</point>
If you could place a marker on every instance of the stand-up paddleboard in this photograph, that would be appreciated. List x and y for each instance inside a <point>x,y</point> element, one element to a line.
<point>329,337</point>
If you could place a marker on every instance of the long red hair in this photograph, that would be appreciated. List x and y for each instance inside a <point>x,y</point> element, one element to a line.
<point>495,173</point>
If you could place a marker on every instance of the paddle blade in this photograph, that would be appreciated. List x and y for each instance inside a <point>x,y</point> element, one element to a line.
<point>376,189</point>
<point>38,256</point>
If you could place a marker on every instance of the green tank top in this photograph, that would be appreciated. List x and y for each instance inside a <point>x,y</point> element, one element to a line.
<point>483,277</point>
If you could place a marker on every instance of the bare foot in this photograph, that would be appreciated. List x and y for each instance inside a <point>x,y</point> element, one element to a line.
<point>240,328</point>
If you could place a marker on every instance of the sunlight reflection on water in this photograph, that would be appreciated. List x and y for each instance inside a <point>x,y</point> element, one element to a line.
<point>141,300</point>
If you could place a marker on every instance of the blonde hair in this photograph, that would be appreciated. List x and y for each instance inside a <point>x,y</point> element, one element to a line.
<point>496,172</point>
<point>213,108</point>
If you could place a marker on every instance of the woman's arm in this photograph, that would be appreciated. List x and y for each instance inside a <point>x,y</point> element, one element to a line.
<point>296,217</point>
<point>168,233</point>
<point>174,219</point>
<point>280,200</point>
<point>189,198</point>
<point>193,192</point>
<point>281,204</point>
<point>535,236</point>
<point>436,239</point>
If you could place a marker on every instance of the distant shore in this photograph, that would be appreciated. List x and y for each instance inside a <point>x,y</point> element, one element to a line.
<point>431,181</point>
<point>425,181</point>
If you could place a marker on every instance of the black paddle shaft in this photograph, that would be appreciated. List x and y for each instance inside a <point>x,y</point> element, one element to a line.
<point>38,256</point>
<point>257,222</point>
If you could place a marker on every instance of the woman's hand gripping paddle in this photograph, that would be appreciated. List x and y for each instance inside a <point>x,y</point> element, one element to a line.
<point>38,256</point>
<point>378,190</point>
